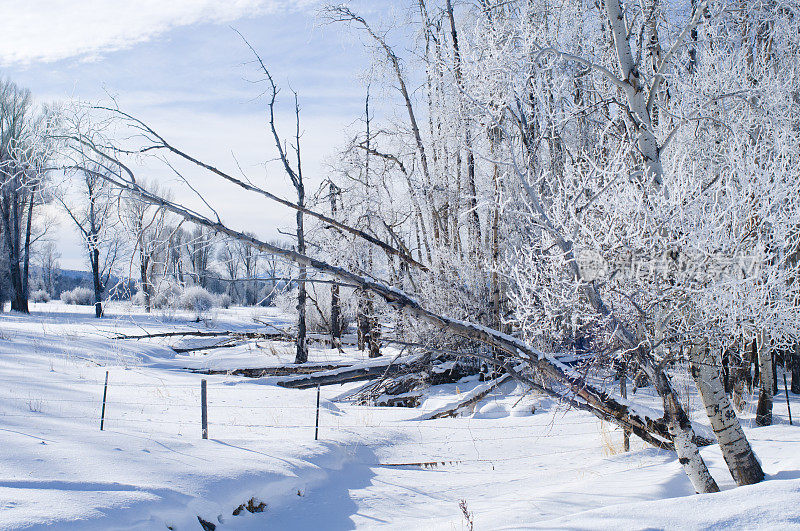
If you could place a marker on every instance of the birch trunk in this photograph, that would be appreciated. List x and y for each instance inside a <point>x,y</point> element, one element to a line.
<point>736,449</point>
<point>97,285</point>
<point>635,95</point>
<point>496,317</point>
<point>638,106</point>
<point>472,191</point>
<point>764,408</point>
<point>683,435</point>
<point>679,426</point>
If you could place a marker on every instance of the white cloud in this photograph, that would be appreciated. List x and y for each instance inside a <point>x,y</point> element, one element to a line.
<point>50,30</point>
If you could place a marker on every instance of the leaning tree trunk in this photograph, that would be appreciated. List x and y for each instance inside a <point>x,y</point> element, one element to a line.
<point>736,449</point>
<point>795,364</point>
<point>764,408</point>
<point>680,428</point>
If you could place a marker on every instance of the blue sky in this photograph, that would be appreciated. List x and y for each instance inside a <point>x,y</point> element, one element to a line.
<point>185,71</point>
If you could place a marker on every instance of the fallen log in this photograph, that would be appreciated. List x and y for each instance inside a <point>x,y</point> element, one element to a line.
<point>226,343</point>
<point>343,375</point>
<point>279,370</point>
<point>404,400</point>
<point>473,397</point>
<point>203,333</point>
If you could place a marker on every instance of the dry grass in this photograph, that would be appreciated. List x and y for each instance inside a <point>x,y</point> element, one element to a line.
<point>610,447</point>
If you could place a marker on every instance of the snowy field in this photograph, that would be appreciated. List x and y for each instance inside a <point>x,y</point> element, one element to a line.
<point>519,461</point>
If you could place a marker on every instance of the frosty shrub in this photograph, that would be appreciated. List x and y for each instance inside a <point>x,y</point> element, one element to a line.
<point>167,295</point>
<point>80,296</point>
<point>224,300</point>
<point>138,298</point>
<point>318,311</point>
<point>266,296</point>
<point>40,295</point>
<point>197,300</point>
<point>286,301</point>
<point>318,306</point>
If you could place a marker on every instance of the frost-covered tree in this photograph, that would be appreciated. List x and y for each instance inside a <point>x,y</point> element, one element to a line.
<point>608,180</point>
<point>25,153</point>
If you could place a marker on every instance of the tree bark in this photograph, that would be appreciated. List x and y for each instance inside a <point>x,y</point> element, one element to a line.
<point>738,454</point>
<point>623,391</point>
<point>740,371</point>
<point>301,355</point>
<point>472,190</point>
<point>635,95</point>
<point>94,259</point>
<point>146,289</point>
<point>26,257</point>
<point>336,307</point>
<point>683,435</point>
<point>11,232</point>
<point>764,407</point>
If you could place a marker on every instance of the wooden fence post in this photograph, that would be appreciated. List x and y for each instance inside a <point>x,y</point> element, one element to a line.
<point>786,390</point>
<point>316,423</point>
<point>204,408</point>
<point>103,410</point>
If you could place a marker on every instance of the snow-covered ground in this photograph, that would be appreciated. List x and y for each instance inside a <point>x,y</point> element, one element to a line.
<point>508,466</point>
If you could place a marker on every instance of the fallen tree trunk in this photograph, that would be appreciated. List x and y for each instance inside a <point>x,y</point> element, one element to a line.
<point>342,375</point>
<point>201,333</point>
<point>584,395</point>
<point>473,397</point>
<point>280,370</point>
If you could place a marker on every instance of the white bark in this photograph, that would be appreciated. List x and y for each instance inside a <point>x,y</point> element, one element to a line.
<point>635,95</point>
<point>693,464</point>
<point>738,454</point>
<point>764,407</point>
<point>682,434</point>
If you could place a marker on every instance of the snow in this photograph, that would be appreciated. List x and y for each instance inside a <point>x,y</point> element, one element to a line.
<point>518,461</point>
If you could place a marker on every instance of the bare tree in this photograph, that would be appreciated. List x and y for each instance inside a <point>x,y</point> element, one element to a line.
<point>24,154</point>
<point>146,223</point>
<point>230,262</point>
<point>617,205</point>
<point>293,170</point>
<point>249,260</point>
<point>585,395</point>
<point>199,249</point>
<point>92,213</point>
<point>50,267</point>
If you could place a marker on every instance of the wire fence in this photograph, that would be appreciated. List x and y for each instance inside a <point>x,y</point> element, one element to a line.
<point>240,410</point>
<point>258,412</point>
